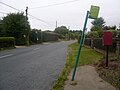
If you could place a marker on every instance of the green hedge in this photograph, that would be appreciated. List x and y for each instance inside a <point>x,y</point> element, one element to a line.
<point>35,36</point>
<point>87,41</point>
<point>20,41</point>
<point>42,36</point>
<point>97,43</point>
<point>49,36</point>
<point>7,42</point>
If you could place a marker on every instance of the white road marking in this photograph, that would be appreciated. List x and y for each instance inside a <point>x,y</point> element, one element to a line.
<point>6,56</point>
<point>36,48</point>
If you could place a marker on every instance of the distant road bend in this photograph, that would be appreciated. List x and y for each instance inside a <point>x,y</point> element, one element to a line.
<point>32,68</point>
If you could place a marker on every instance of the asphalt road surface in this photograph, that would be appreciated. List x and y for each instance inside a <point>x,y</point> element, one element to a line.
<point>32,68</point>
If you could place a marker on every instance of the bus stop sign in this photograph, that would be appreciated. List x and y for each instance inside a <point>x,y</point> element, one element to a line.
<point>94,11</point>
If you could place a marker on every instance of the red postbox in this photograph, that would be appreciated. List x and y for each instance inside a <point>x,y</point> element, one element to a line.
<point>107,38</point>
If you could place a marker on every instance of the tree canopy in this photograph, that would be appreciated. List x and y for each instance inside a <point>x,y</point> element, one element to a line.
<point>61,30</point>
<point>14,25</point>
<point>110,27</point>
<point>96,28</point>
<point>98,22</point>
<point>0,28</point>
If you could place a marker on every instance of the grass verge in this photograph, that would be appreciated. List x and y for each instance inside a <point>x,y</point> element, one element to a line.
<point>88,56</point>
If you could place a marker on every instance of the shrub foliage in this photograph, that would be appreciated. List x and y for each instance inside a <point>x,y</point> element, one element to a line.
<point>49,36</point>
<point>7,42</point>
<point>97,43</point>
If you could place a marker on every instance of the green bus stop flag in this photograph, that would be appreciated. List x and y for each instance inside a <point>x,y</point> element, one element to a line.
<point>94,11</point>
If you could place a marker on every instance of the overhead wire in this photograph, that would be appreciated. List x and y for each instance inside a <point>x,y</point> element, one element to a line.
<point>28,14</point>
<point>40,7</point>
<point>4,12</point>
<point>10,6</point>
<point>56,4</point>
<point>40,20</point>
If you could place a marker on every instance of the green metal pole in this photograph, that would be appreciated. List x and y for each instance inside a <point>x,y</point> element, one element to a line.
<point>80,46</point>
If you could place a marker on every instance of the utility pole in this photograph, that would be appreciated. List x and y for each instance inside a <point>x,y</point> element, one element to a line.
<point>68,32</point>
<point>26,24</point>
<point>56,24</point>
<point>41,35</point>
<point>119,26</point>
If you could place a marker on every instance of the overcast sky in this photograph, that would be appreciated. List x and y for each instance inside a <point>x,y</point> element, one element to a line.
<point>71,13</point>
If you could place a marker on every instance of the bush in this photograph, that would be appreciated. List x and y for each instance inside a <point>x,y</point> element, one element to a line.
<point>7,42</point>
<point>93,34</point>
<point>97,43</point>
<point>87,41</point>
<point>20,41</point>
<point>79,38</point>
<point>60,36</point>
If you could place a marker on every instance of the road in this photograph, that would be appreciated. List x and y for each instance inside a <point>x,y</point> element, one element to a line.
<point>32,68</point>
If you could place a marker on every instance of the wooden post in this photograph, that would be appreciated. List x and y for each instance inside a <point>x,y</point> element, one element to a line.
<point>118,49</point>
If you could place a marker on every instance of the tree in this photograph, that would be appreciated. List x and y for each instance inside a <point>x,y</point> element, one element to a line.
<point>93,34</point>
<point>61,30</point>
<point>98,22</point>
<point>96,28</point>
<point>75,34</point>
<point>14,25</point>
<point>110,27</point>
<point>1,28</point>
